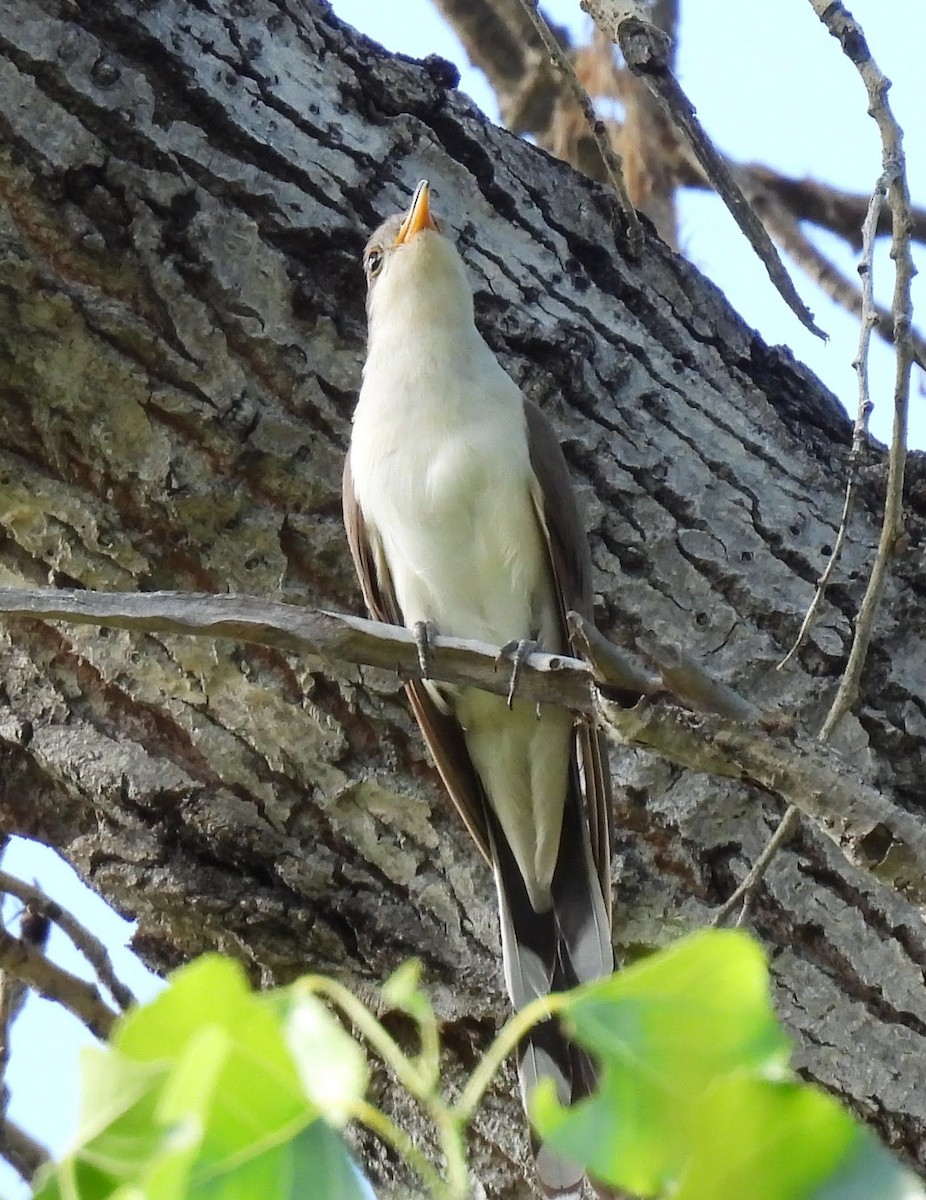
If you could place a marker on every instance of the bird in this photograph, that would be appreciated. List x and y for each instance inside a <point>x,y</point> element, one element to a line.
<point>462,521</point>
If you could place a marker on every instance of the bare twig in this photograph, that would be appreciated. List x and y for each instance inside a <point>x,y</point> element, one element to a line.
<point>21,1151</point>
<point>784,227</point>
<point>78,997</point>
<point>745,894</point>
<point>609,155</point>
<point>645,51</point>
<point>863,412</point>
<point>91,947</point>
<point>846,30</point>
<point>33,929</point>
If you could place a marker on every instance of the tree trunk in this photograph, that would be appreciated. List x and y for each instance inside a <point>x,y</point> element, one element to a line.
<point>186,189</point>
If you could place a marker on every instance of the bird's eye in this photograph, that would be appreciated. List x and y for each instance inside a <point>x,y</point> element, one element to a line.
<point>375,262</point>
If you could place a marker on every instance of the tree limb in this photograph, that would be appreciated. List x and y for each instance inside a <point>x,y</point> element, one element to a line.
<point>21,1151</point>
<point>873,833</point>
<point>77,996</point>
<point>332,637</point>
<point>90,946</point>
<point>812,778</point>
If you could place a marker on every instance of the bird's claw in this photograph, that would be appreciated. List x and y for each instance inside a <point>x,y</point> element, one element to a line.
<point>517,652</point>
<point>424,633</point>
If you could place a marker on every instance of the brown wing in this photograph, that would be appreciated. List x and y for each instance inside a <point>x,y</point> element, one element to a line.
<point>571,561</point>
<point>443,735</point>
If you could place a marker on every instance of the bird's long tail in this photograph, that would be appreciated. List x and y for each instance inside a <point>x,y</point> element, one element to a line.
<point>553,951</point>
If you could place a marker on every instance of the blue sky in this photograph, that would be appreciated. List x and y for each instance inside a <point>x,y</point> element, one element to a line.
<point>770,85</point>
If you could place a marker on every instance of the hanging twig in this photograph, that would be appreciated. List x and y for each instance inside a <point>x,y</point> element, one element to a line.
<point>645,51</point>
<point>611,159</point>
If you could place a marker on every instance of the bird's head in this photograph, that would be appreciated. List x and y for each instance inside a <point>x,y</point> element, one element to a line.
<point>414,273</point>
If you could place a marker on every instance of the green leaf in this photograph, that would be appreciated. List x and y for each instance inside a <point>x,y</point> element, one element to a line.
<point>869,1172</point>
<point>256,1094</point>
<point>322,1168</point>
<point>332,1066</point>
<point>313,1164</point>
<point>663,1031</point>
<point>209,991</point>
<point>403,991</point>
<point>197,1086</point>
<point>121,1142</point>
<point>762,1139</point>
<point>112,1086</point>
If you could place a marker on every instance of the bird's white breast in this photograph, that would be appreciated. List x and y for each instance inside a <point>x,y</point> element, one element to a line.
<point>441,471</point>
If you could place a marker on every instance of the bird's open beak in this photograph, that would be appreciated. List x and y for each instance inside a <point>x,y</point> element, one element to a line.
<point>419,215</point>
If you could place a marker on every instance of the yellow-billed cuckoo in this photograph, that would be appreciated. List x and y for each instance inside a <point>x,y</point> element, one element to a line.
<point>461,517</point>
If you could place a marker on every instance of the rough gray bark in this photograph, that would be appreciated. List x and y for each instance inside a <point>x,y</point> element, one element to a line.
<point>186,189</point>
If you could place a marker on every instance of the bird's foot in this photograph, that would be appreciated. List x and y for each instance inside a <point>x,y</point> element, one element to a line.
<point>425,632</point>
<point>517,652</point>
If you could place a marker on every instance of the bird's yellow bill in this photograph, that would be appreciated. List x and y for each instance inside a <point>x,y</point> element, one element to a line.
<point>419,215</point>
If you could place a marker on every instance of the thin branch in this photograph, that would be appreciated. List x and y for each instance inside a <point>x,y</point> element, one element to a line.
<point>783,226</point>
<point>609,155</point>
<point>687,680</point>
<point>645,51</point>
<point>77,996</point>
<point>33,930</point>
<point>849,34</point>
<point>91,947</point>
<point>863,412</point>
<point>846,30</point>
<point>24,1154</point>
<point>745,894</point>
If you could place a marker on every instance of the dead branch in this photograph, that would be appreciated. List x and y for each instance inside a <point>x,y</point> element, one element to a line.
<point>22,1152</point>
<point>817,781</point>
<point>29,964</point>
<point>90,946</point>
<point>330,637</point>
<point>612,160</point>
<point>646,53</point>
<point>872,832</point>
<point>849,34</point>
